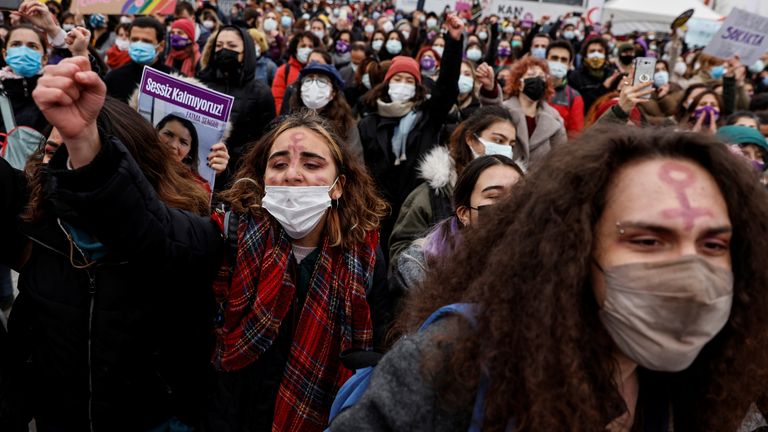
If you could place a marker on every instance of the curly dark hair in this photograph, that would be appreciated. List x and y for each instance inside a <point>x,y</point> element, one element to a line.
<point>528,270</point>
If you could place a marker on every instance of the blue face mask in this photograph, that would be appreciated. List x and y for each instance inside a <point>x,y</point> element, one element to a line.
<point>491,148</point>
<point>142,52</point>
<point>539,52</point>
<point>24,61</point>
<point>717,72</point>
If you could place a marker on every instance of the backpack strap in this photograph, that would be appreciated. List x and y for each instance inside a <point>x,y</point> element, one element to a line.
<point>287,72</point>
<point>7,111</point>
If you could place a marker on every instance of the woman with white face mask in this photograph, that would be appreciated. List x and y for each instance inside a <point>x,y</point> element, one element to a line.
<point>637,300</point>
<point>308,218</point>
<point>299,49</point>
<point>403,124</point>
<point>489,131</point>
<point>320,88</point>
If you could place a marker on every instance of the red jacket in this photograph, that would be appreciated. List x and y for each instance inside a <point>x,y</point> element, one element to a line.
<point>568,102</point>
<point>284,76</point>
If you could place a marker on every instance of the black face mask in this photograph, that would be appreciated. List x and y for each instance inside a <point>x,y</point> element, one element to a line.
<point>226,60</point>
<point>626,60</point>
<point>534,88</point>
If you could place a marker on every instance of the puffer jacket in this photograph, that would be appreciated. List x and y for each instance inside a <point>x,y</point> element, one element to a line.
<point>122,344</point>
<point>428,204</point>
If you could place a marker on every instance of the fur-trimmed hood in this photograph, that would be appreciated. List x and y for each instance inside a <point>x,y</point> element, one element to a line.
<point>133,102</point>
<point>438,168</point>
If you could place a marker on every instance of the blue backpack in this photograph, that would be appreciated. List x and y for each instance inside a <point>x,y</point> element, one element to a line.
<point>355,387</point>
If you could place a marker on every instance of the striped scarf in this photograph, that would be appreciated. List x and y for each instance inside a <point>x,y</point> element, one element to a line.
<point>335,317</point>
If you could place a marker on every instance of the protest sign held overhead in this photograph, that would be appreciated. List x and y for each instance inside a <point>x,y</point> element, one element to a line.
<point>743,34</point>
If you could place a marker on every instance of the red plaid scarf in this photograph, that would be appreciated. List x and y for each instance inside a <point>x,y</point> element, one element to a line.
<point>335,317</point>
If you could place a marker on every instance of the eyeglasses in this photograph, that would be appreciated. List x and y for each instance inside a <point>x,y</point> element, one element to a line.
<point>482,208</point>
<point>322,82</point>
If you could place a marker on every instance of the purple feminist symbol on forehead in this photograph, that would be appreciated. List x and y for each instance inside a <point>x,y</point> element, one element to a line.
<point>680,177</point>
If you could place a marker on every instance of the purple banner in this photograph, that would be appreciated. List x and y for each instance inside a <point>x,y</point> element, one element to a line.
<point>185,95</point>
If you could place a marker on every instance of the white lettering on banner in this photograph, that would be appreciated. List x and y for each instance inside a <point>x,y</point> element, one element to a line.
<point>158,89</point>
<point>743,34</point>
<point>199,104</point>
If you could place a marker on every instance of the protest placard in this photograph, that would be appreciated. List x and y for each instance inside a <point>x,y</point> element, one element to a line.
<point>123,7</point>
<point>169,98</point>
<point>742,33</point>
<point>700,32</point>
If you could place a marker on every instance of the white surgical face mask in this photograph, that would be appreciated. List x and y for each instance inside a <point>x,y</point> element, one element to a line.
<point>491,148</point>
<point>122,44</point>
<point>401,92</point>
<point>474,54</point>
<point>302,54</point>
<point>660,78</point>
<point>270,24</point>
<point>298,209</point>
<point>680,68</point>
<point>209,24</point>
<point>369,28</point>
<point>367,81</point>
<point>387,26</point>
<point>319,33</point>
<point>68,27</point>
<point>377,44</point>
<point>406,34</point>
<point>596,54</point>
<point>431,23</point>
<point>394,46</point>
<point>439,50</point>
<point>557,69</point>
<point>314,96</point>
<point>466,84</point>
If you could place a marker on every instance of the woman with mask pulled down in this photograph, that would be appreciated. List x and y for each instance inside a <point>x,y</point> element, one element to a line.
<point>489,131</point>
<point>321,89</point>
<point>184,54</point>
<point>231,70</point>
<point>539,126</point>
<point>303,264</point>
<point>403,125</point>
<point>637,301</point>
<point>484,182</point>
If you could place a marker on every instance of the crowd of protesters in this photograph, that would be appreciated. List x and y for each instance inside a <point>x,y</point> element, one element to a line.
<point>585,248</point>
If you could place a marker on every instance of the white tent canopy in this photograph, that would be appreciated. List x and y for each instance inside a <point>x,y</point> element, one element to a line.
<point>651,15</point>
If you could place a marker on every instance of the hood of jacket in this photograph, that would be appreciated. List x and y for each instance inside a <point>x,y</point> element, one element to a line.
<point>438,168</point>
<point>133,101</point>
<point>211,72</point>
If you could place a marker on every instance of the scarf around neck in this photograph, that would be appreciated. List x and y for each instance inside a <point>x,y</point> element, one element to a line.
<point>335,317</point>
<point>408,117</point>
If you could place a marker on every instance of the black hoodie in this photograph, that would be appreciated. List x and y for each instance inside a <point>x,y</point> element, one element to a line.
<point>254,106</point>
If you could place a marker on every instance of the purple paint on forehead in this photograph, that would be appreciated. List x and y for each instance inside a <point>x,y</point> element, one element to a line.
<point>680,177</point>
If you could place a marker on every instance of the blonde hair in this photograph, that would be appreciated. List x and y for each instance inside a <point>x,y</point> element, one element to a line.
<point>259,38</point>
<point>358,211</point>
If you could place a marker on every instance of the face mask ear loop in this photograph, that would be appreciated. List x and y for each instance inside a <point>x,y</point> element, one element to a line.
<point>335,203</point>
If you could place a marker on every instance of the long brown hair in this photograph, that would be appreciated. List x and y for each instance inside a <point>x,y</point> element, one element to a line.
<point>480,120</point>
<point>538,333</point>
<point>174,183</point>
<point>360,208</point>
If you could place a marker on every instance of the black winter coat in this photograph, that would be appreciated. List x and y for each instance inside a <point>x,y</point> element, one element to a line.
<point>253,109</point>
<point>124,344</point>
<point>25,111</point>
<point>395,182</point>
<point>123,81</point>
<point>590,87</point>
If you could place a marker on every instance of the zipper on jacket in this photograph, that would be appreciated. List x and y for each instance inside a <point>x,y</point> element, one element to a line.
<point>92,295</point>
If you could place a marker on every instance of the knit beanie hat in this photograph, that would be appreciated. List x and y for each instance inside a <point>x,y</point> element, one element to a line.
<point>185,25</point>
<point>741,135</point>
<point>404,64</point>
